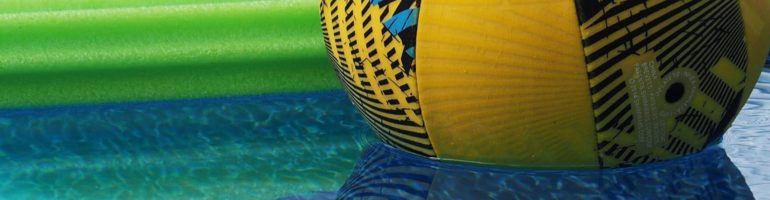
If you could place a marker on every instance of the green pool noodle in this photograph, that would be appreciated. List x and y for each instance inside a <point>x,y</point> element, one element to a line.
<point>77,52</point>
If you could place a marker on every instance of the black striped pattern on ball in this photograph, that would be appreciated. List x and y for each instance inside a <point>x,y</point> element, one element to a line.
<point>376,68</point>
<point>689,34</point>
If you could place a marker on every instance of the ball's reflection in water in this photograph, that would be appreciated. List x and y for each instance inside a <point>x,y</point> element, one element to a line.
<point>388,173</point>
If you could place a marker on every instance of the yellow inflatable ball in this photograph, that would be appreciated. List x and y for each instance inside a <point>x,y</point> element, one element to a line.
<point>548,84</point>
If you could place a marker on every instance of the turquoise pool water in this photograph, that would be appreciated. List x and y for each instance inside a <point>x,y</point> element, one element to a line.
<point>243,148</point>
<point>308,146</point>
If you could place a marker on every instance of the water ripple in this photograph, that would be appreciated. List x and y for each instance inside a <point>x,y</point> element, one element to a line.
<point>747,141</point>
<point>254,148</point>
<point>387,172</point>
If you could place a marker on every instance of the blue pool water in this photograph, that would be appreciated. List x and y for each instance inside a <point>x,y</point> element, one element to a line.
<point>244,148</point>
<point>747,143</point>
<point>309,146</point>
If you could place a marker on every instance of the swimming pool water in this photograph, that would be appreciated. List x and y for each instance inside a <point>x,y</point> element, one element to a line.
<point>244,148</point>
<point>307,146</point>
<point>747,143</point>
<point>392,174</point>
